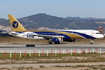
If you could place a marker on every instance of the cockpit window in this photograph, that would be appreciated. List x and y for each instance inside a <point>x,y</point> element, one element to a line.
<point>98,33</point>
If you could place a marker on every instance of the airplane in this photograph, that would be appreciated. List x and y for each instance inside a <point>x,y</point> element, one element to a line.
<point>53,36</point>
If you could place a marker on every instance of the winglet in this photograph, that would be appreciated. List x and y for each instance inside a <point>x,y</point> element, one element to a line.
<point>16,26</point>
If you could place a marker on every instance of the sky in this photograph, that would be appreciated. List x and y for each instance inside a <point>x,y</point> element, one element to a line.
<point>59,8</point>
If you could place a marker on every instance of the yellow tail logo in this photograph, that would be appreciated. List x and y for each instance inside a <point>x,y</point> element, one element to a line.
<point>16,26</point>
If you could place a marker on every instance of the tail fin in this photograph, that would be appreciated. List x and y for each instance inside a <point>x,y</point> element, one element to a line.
<point>16,26</point>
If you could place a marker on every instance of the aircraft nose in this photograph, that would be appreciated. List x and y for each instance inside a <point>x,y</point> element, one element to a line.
<point>101,36</point>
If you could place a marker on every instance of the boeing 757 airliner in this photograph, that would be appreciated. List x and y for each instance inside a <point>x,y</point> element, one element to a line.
<point>54,36</point>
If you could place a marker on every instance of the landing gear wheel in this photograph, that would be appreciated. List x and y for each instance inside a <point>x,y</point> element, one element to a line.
<point>91,43</point>
<point>50,42</point>
<point>57,43</point>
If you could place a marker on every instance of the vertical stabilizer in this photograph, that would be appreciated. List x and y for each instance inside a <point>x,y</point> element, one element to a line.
<point>16,26</point>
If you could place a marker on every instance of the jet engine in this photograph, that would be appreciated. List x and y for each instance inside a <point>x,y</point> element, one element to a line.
<point>56,40</point>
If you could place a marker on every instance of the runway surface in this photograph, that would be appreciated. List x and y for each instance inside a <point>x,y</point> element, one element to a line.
<point>48,47</point>
<point>51,64</point>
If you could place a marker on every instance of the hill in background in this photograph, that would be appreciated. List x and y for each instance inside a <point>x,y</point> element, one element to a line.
<point>53,22</point>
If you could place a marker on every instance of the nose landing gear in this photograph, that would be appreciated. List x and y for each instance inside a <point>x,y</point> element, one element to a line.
<point>91,41</point>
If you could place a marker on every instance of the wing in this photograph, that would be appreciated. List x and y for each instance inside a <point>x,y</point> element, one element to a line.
<point>50,36</point>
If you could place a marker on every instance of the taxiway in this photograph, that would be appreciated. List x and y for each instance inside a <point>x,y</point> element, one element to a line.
<point>44,46</point>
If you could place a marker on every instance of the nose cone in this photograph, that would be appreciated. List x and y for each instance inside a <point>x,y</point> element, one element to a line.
<point>100,36</point>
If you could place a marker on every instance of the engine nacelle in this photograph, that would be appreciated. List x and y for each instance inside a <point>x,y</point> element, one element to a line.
<point>55,40</point>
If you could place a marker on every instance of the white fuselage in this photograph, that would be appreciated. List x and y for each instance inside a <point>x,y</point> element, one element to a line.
<point>88,34</point>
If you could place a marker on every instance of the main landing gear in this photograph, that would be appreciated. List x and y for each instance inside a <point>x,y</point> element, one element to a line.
<point>54,42</point>
<point>50,42</point>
